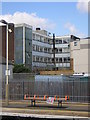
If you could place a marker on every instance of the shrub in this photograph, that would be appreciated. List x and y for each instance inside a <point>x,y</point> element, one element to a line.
<point>20,68</point>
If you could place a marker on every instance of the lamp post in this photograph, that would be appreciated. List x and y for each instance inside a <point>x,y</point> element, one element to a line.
<point>7,72</point>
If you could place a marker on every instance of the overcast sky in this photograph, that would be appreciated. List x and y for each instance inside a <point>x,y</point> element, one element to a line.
<point>61,18</point>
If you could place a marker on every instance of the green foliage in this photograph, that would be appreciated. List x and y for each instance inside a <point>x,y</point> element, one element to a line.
<point>20,68</point>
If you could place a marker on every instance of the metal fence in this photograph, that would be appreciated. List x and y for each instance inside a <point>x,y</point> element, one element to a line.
<point>76,89</point>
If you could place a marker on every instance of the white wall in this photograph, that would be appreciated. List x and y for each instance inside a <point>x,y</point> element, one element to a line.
<point>80,56</point>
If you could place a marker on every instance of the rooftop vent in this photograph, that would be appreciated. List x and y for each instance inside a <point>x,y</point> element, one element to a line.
<point>37,28</point>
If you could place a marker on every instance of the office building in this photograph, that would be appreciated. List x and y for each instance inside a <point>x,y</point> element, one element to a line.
<point>23,45</point>
<point>41,50</point>
<point>38,50</point>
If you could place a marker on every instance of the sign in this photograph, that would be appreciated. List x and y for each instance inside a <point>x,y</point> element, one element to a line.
<point>7,72</point>
<point>50,100</point>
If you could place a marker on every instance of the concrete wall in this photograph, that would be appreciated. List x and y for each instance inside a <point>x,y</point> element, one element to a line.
<point>23,77</point>
<point>79,54</point>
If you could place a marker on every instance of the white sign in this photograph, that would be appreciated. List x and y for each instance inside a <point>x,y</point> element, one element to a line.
<point>50,100</point>
<point>7,72</point>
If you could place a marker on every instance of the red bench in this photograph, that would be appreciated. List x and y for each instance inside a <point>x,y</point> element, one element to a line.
<point>35,98</point>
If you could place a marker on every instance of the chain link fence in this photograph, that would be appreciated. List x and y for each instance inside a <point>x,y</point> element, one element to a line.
<point>77,89</point>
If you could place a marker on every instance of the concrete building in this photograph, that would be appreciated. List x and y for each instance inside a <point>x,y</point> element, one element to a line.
<point>79,51</point>
<point>35,48</point>
<point>62,52</point>
<point>23,44</point>
<point>41,50</point>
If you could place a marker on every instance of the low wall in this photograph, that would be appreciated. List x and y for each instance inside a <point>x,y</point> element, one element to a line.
<point>23,77</point>
<point>57,72</point>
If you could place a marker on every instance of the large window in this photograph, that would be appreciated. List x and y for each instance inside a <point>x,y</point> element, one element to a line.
<point>60,60</point>
<point>49,59</point>
<point>56,59</point>
<point>34,58</point>
<point>56,50</point>
<point>41,49</point>
<point>75,43</point>
<point>60,41</point>
<point>33,36</point>
<point>67,59</point>
<point>60,50</point>
<point>57,41</point>
<point>45,49</point>
<point>37,58</point>
<point>66,50</point>
<point>41,59</point>
<point>34,47</point>
<point>37,48</point>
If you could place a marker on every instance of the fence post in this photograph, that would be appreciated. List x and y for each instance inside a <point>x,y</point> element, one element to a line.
<point>73,90</point>
<point>23,90</point>
<point>48,87</point>
<point>62,88</point>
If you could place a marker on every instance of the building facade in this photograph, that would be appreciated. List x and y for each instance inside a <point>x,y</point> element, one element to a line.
<point>41,50</point>
<point>3,43</point>
<point>23,45</point>
<point>36,49</point>
<point>62,52</point>
<point>80,54</point>
<point>10,42</point>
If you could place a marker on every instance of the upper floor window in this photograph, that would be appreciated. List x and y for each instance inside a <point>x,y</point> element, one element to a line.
<point>75,43</point>
<point>60,50</point>
<point>60,41</point>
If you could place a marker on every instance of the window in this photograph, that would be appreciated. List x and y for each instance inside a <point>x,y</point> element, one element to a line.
<point>49,59</point>
<point>45,60</point>
<point>56,50</point>
<point>34,48</point>
<point>41,49</point>
<point>56,41</point>
<point>64,41</point>
<point>60,59</point>
<point>52,59</point>
<point>45,49</point>
<point>60,41</point>
<point>68,59</point>
<point>48,41</point>
<point>37,58</point>
<point>48,50</point>
<point>34,58</point>
<point>41,59</point>
<point>65,50</point>
<point>75,43</point>
<point>51,41</point>
<point>60,50</point>
<point>65,59</point>
<point>33,36</point>
<point>38,37</point>
<point>56,59</point>
<point>45,40</point>
<point>68,45</point>
<point>37,48</point>
<point>29,43</point>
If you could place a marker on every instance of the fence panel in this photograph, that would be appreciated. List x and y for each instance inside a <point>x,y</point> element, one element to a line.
<point>77,90</point>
